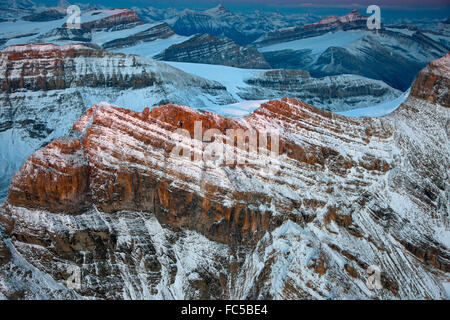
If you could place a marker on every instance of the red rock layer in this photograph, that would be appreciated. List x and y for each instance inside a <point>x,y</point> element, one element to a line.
<point>432,83</point>
<point>49,67</point>
<point>55,177</point>
<point>124,162</point>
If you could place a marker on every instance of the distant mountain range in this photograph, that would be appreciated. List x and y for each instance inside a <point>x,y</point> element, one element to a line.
<point>219,21</point>
<point>324,47</point>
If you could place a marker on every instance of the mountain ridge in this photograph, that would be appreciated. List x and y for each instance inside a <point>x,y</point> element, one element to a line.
<point>342,199</point>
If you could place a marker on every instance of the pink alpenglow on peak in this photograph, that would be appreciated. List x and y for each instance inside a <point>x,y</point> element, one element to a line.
<point>354,15</point>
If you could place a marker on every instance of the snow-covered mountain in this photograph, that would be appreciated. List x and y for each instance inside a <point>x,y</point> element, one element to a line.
<point>444,27</point>
<point>219,21</point>
<point>331,46</point>
<point>118,30</point>
<point>46,87</point>
<point>352,21</point>
<point>13,9</point>
<point>204,48</point>
<point>344,196</point>
<point>333,93</point>
<point>34,29</point>
<point>340,45</point>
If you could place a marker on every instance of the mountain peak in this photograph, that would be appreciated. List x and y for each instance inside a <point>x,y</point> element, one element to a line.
<point>433,81</point>
<point>354,15</point>
<point>220,9</point>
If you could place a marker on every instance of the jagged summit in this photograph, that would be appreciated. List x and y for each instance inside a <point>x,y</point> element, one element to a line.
<point>442,65</point>
<point>204,48</point>
<point>219,10</point>
<point>353,16</point>
<point>433,82</point>
<point>42,47</point>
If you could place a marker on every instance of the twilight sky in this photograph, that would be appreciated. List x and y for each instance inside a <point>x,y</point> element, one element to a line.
<point>392,4</point>
<point>295,3</point>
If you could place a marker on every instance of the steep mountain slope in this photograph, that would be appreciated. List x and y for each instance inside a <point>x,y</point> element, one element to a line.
<point>221,22</point>
<point>159,31</point>
<point>444,27</point>
<point>45,88</point>
<point>47,15</point>
<point>12,9</point>
<point>204,48</point>
<point>113,29</point>
<point>344,45</point>
<point>352,21</point>
<point>335,93</point>
<point>138,221</point>
<point>109,20</point>
<point>34,29</point>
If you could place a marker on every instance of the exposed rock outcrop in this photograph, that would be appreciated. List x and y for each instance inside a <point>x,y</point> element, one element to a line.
<point>64,185</point>
<point>47,15</point>
<point>45,88</point>
<point>342,195</point>
<point>433,82</point>
<point>116,19</point>
<point>51,67</point>
<point>160,31</point>
<point>204,48</point>
<point>333,93</point>
<point>352,21</point>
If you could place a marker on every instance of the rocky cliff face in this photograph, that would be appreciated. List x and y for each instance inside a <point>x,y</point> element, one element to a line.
<point>123,19</point>
<point>140,222</point>
<point>51,67</point>
<point>47,15</point>
<point>344,45</point>
<point>432,83</point>
<point>160,31</point>
<point>46,88</point>
<point>352,21</point>
<point>334,93</point>
<point>243,28</point>
<point>208,49</point>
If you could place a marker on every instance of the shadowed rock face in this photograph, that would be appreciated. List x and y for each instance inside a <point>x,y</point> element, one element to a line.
<point>205,48</point>
<point>333,93</point>
<point>352,21</point>
<point>58,34</point>
<point>141,222</point>
<point>45,88</point>
<point>47,15</point>
<point>68,184</point>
